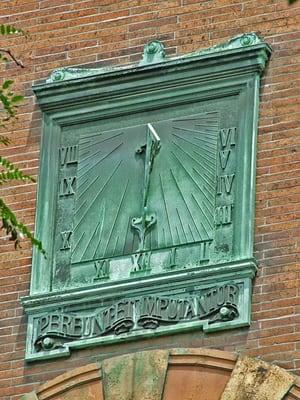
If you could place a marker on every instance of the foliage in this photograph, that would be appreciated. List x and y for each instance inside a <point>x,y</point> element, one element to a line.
<point>9,102</point>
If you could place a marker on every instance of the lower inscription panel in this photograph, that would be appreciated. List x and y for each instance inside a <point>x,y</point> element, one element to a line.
<point>104,320</point>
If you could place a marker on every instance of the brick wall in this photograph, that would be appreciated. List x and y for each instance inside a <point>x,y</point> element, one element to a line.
<point>102,32</point>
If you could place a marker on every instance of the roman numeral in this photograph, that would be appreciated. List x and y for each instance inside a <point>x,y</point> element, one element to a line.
<point>172,258</point>
<point>227,137</point>
<point>67,186</point>
<point>204,251</point>
<point>102,270</point>
<point>66,237</point>
<point>140,262</point>
<point>224,184</point>
<point>68,155</point>
<point>223,215</point>
<point>224,156</point>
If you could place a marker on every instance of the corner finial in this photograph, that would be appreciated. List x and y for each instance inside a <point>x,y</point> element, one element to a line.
<point>154,52</point>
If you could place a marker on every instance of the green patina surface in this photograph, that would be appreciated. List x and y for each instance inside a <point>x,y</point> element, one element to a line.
<point>146,197</point>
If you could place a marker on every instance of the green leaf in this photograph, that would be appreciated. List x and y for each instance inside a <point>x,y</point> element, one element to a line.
<point>8,99</point>
<point>7,84</point>
<point>3,58</point>
<point>12,172</point>
<point>15,229</point>
<point>4,140</point>
<point>16,99</point>
<point>10,30</point>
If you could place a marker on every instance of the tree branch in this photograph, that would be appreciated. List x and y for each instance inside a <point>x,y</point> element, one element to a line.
<point>17,62</point>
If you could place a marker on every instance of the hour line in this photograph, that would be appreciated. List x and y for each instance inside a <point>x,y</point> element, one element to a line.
<point>207,138</point>
<point>209,211</point>
<point>202,212</point>
<point>88,187</point>
<point>198,186</point>
<point>80,207</point>
<point>78,242</point>
<point>212,126</point>
<point>209,147</point>
<point>116,217</point>
<point>116,244</point>
<point>190,229</point>
<point>102,214</point>
<point>196,161</point>
<point>127,232</point>
<point>101,159</point>
<point>201,176</point>
<point>101,148</point>
<point>206,181</point>
<point>165,204</point>
<point>191,215</point>
<point>184,234</point>
<point>177,234</point>
<point>185,170</point>
<point>208,160</point>
<point>92,143</point>
<point>90,240</point>
<point>193,143</point>
<point>101,190</point>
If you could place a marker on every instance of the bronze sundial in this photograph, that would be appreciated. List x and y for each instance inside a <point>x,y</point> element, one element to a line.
<point>146,198</point>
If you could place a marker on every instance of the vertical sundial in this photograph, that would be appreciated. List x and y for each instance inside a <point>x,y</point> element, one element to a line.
<point>146,198</point>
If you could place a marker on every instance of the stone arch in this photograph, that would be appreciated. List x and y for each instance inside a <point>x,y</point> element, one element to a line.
<point>176,374</point>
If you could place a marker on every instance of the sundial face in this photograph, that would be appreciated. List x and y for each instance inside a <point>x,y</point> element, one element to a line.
<point>144,199</point>
<point>115,185</point>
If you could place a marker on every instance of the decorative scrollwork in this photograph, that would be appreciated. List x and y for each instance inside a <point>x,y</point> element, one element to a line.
<point>154,52</point>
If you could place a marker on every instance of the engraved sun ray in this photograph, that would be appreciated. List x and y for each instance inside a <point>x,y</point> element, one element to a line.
<point>116,217</point>
<point>89,143</point>
<point>195,152</point>
<point>91,167</point>
<point>207,158</point>
<point>101,173</point>
<point>100,230</point>
<point>78,242</point>
<point>209,149</point>
<point>200,188</point>
<point>201,165</point>
<point>186,205</point>
<point>205,218</point>
<point>182,227</point>
<point>126,235</point>
<point>209,116</point>
<point>208,167</point>
<point>165,207</point>
<point>206,139</point>
<point>98,194</point>
<point>91,239</point>
<point>88,187</point>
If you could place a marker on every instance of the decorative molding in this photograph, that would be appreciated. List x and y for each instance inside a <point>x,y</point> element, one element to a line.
<point>238,42</point>
<point>154,53</point>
